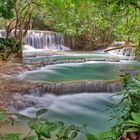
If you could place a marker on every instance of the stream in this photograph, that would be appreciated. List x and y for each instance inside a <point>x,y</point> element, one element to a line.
<point>78,93</point>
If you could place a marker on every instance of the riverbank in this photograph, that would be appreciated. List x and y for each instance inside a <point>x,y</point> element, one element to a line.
<point>9,86</point>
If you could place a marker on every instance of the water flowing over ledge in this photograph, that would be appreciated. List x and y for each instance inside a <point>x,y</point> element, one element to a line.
<point>129,52</point>
<point>45,40</point>
<point>77,60</point>
<point>44,94</point>
<point>42,40</point>
<point>122,49</point>
<point>76,87</point>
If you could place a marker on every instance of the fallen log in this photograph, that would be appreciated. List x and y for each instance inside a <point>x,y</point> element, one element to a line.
<point>113,48</point>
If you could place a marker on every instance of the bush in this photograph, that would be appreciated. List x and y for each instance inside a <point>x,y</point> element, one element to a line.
<point>8,46</point>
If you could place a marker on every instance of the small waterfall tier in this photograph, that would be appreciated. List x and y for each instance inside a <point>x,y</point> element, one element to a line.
<point>42,40</point>
<point>130,52</point>
<point>76,87</point>
<point>43,94</point>
<point>45,40</point>
<point>122,49</point>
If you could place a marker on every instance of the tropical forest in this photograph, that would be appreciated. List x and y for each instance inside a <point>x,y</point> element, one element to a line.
<point>69,70</point>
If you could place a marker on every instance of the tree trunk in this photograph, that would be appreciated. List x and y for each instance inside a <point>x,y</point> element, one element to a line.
<point>113,48</point>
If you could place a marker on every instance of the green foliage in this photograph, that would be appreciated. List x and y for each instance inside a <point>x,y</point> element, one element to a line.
<point>127,113</point>
<point>138,49</point>
<point>3,115</point>
<point>32,137</point>
<point>98,22</point>
<point>11,136</point>
<point>40,112</point>
<point>91,137</point>
<point>6,8</point>
<point>135,120</point>
<point>43,129</point>
<point>128,120</point>
<point>8,46</point>
<point>107,135</point>
<point>92,22</point>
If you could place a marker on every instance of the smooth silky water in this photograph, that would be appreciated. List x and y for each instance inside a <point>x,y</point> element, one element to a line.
<point>63,57</point>
<point>92,109</point>
<point>85,108</point>
<point>80,71</point>
<point>36,57</point>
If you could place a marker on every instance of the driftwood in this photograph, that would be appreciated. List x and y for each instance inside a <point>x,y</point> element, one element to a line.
<point>126,45</point>
<point>113,48</point>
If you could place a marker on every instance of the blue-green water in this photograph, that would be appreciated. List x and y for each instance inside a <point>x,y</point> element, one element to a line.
<point>80,71</point>
<point>91,109</point>
<point>67,55</point>
<point>85,108</point>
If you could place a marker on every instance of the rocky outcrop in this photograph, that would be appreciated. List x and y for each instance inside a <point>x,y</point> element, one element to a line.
<point>79,60</point>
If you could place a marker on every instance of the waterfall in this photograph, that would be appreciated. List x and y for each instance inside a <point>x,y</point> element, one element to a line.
<point>42,40</point>
<point>45,40</point>
<point>128,51</point>
<point>75,87</point>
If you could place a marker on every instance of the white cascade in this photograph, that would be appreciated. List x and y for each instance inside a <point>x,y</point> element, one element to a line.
<point>45,40</point>
<point>42,40</point>
<point>128,51</point>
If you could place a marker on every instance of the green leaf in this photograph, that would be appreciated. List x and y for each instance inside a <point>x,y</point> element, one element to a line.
<point>107,134</point>
<point>22,117</point>
<point>45,133</point>
<point>55,125</point>
<point>67,131</point>
<point>73,135</point>
<point>90,136</point>
<point>136,117</point>
<point>133,122</point>
<point>132,130</point>
<point>135,99</point>
<point>130,124</point>
<point>34,137</point>
<point>61,131</point>
<point>11,136</point>
<point>41,129</point>
<point>40,112</point>
<point>3,116</point>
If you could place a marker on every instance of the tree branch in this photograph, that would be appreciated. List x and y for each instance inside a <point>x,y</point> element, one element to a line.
<point>134,4</point>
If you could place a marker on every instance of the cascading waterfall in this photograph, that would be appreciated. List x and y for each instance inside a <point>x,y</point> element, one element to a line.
<point>91,109</point>
<point>92,77</point>
<point>125,51</point>
<point>42,40</point>
<point>45,40</point>
<point>75,87</point>
<point>128,51</point>
<point>62,99</point>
